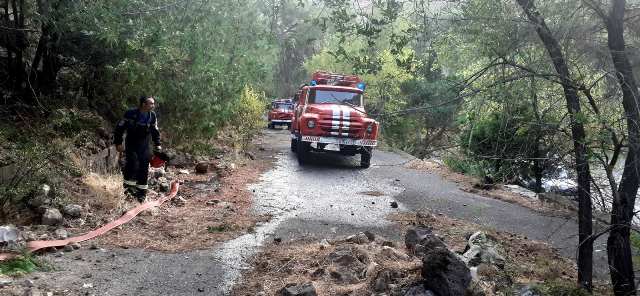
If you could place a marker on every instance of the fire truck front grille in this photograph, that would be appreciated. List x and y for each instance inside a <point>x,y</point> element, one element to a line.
<point>336,126</point>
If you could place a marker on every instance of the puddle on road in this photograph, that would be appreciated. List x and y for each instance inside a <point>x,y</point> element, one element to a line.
<point>287,191</point>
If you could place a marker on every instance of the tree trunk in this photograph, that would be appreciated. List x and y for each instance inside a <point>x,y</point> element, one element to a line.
<point>618,245</point>
<point>585,225</point>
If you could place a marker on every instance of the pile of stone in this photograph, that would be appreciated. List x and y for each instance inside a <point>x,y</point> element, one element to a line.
<point>426,267</point>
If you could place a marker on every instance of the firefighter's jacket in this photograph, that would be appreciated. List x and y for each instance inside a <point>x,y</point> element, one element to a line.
<point>139,127</point>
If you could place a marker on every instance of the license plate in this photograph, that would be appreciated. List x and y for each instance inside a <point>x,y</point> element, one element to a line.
<point>332,147</point>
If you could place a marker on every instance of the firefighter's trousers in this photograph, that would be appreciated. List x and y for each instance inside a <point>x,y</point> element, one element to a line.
<point>136,168</point>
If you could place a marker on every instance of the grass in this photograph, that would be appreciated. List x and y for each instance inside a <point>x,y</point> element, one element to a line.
<point>23,264</point>
<point>218,228</point>
<point>106,189</point>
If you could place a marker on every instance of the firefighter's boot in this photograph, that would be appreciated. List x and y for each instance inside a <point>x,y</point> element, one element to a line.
<point>141,193</point>
<point>129,188</point>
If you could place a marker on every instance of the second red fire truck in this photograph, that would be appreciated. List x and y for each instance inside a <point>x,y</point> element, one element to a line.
<point>329,116</point>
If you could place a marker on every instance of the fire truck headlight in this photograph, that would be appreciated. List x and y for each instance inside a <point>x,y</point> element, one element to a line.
<point>311,123</point>
<point>370,129</point>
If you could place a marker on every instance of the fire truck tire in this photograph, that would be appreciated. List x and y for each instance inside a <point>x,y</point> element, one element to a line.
<point>270,125</point>
<point>302,152</point>
<point>294,143</point>
<point>365,157</point>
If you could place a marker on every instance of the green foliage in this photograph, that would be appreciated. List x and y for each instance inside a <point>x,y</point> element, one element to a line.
<point>465,166</point>
<point>22,265</point>
<point>27,163</point>
<point>70,122</point>
<point>505,141</point>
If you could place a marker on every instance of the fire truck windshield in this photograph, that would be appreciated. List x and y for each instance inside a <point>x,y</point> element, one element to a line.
<point>330,96</point>
<point>282,106</point>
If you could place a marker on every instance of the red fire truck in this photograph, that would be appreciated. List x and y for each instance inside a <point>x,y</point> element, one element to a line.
<point>281,113</point>
<point>329,116</point>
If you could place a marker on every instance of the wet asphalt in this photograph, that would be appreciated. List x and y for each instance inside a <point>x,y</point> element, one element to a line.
<point>327,198</point>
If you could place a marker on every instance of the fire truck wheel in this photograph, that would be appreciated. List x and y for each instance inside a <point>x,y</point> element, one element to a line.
<point>270,125</point>
<point>294,143</point>
<point>365,157</point>
<point>302,152</point>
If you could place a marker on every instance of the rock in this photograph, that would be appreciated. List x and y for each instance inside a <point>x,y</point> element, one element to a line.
<point>51,216</point>
<point>42,197</point>
<point>164,184</point>
<point>370,235</point>
<point>202,168</point>
<point>76,246</point>
<point>359,238</point>
<point>324,244</point>
<point>183,172</point>
<point>157,172</point>
<point>306,289</point>
<point>318,273</point>
<point>344,275</point>
<point>28,283</point>
<point>8,234</point>
<point>277,240</point>
<point>529,290</point>
<point>394,204</point>
<point>388,244</point>
<point>350,264</point>
<point>181,159</point>
<point>61,233</point>
<point>93,246</point>
<point>68,248</point>
<point>418,290</point>
<point>371,268</point>
<point>424,218</point>
<point>5,281</point>
<point>382,282</point>
<point>154,211</point>
<point>482,250</point>
<point>444,273</point>
<point>212,202</point>
<point>393,254</point>
<point>72,210</point>
<point>418,240</point>
<point>29,236</point>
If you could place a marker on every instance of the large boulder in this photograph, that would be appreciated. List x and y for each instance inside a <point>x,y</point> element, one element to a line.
<point>419,240</point>
<point>51,216</point>
<point>306,289</point>
<point>444,273</point>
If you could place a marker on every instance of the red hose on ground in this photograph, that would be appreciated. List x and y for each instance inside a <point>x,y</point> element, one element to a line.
<point>33,246</point>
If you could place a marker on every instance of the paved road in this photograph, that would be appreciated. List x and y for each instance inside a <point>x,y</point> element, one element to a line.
<point>320,200</point>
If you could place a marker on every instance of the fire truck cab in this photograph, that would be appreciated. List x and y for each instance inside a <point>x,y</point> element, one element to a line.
<point>280,113</point>
<point>329,116</point>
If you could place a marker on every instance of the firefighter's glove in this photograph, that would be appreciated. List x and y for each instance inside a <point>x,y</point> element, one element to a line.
<point>163,155</point>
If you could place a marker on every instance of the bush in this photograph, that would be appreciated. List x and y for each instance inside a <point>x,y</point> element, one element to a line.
<point>26,166</point>
<point>246,119</point>
<point>465,166</point>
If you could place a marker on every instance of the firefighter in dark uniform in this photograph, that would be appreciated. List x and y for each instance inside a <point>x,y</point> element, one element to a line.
<point>139,124</point>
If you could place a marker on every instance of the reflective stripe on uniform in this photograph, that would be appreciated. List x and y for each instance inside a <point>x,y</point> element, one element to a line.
<point>143,187</point>
<point>130,183</point>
